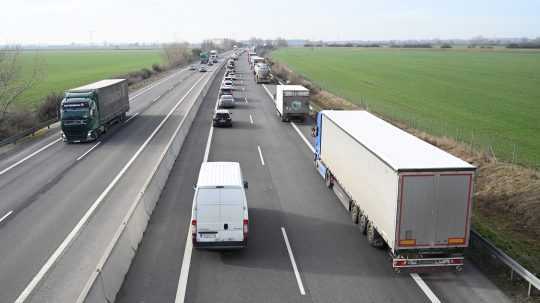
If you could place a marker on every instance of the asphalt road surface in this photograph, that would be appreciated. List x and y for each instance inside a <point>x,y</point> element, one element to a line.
<point>47,187</point>
<point>302,244</point>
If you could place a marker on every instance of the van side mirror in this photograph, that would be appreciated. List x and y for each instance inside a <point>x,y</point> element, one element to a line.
<point>245,184</point>
<point>194,186</point>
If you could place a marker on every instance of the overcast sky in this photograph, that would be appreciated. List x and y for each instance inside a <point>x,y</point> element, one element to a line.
<point>83,21</point>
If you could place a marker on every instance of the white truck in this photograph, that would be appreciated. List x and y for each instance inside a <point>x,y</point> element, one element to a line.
<point>292,102</point>
<point>262,73</point>
<point>404,193</point>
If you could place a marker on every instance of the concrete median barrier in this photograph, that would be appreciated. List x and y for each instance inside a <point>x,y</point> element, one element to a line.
<point>106,280</point>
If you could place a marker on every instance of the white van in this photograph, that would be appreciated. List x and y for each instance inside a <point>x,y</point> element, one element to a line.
<point>220,213</point>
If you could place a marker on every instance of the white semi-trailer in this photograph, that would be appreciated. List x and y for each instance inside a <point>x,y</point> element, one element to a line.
<point>404,193</point>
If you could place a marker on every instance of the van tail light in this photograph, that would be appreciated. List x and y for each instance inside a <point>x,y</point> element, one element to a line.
<point>194,231</point>
<point>246,228</point>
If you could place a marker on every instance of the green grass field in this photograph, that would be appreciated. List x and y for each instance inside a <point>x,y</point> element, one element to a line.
<point>491,98</point>
<point>71,68</point>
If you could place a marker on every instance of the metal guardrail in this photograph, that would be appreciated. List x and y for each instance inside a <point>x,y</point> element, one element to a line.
<point>31,131</point>
<point>514,266</point>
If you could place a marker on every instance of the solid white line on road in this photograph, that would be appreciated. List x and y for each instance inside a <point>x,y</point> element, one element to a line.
<point>156,98</point>
<point>260,155</point>
<point>293,262</point>
<point>431,296</point>
<point>250,119</point>
<point>132,116</point>
<point>88,151</point>
<point>303,137</point>
<point>188,247</point>
<point>268,92</point>
<point>6,215</point>
<point>5,170</point>
<point>25,294</point>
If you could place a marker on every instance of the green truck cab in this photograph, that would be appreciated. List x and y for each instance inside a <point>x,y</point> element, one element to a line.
<point>87,111</point>
<point>204,57</point>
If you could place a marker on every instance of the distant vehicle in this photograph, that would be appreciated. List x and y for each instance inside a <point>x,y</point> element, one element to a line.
<point>192,67</point>
<point>87,111</point>
<point>292,102</point>
<point>215,60</point>
<point>204,57</point>
<point>214,53</point>
<point>255,60</point>
<point>227,82</point>
<point>210,63</point>
<point>203,69</point>
<point>226,101</point>
<point>402,192</point>
<point>229,78</point>
<point>222,117</point>
<point>225,91</point>
<point>219,218</point>
<point>262,73</point>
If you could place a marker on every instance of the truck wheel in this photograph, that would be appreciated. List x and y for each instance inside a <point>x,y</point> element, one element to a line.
<point>362,223</point>
<point>374,238</point>
<point>354,213</point>
<point>328,179</point>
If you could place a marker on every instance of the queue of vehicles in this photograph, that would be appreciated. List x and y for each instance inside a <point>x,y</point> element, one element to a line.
<point>403,193</point>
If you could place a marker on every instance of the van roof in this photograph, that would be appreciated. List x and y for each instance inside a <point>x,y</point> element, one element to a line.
<point>220,174</point>
<point>291,88</point>
<point>395,147</point>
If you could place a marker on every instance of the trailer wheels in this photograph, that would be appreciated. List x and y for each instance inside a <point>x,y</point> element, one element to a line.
<point>362,223</point>
<point>374,238</point>
<point>354,213</point>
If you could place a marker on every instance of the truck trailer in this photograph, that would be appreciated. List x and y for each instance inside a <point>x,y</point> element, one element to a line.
<point>404,193</point>
<point>292,102</point>
<point>262,73</point>
<point>87,111</point>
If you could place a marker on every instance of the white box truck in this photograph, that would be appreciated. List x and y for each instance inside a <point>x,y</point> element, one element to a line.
<point>404,193</point>
<point>219,217</point>
<point>292,102</point>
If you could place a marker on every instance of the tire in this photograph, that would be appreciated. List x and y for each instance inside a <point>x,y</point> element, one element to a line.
<point>328,179</point>
<point>374,238</point>
<point>362,223</point>
<point>355,212</point>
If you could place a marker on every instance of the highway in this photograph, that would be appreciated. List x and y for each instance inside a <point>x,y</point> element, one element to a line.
<point>49,187</point>
<point>303,246</point>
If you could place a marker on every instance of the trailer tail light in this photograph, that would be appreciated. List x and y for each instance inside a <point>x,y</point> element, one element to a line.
<point>407,242</point>
<point>457,261</point>
<point>246,228</point>
<point>194,231</point>
<point>456,240</point>
<point>400,263</point>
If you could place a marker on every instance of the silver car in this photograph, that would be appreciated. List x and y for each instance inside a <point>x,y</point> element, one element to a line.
<point>226,101</point>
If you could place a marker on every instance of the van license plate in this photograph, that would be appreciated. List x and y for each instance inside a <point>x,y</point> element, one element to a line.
<point>208,236</point>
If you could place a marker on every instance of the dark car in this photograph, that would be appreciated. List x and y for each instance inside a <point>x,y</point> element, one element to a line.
<point>222,117</point>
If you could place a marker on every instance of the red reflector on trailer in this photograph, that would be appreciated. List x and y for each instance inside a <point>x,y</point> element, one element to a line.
<point>456,261</point>
<point>398,263</point>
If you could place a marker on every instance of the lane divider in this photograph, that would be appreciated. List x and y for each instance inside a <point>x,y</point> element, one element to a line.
<point>88,151</point>
<point>293,262</point>
<point>5,170</point>
<point>250,119</point>
<point>6,215</point>
<point>131,117</point>
<point>188,247</point>
<point>25,294</point>
<point>260,155</point>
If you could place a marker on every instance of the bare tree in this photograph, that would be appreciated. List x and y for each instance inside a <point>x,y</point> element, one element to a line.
<point>177,54</point>
<point>280,42</point>
<point>12,82</point>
